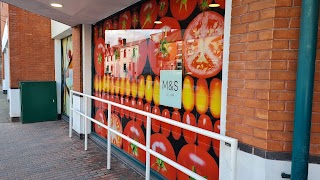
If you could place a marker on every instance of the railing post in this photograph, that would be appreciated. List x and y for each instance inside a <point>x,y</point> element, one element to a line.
<point>234,148</point>
<point>85,123</point>
<point>71,114</point>
<point>148,147</point>
<point>109,138</point>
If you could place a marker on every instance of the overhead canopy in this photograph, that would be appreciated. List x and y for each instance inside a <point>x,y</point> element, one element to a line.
<point>73,12</point>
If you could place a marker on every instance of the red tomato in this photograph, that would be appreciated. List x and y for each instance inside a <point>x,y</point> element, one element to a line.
<point>112,99</point>
<point>204,45</point>
<point>216,143</point>
<point>121,110</point>
<point>155,124</point>
<point>117,126</point>
<point>163,7</point>
<point>202,96</point>
<point>127,103</point>
<point>148,14</point>
<point>97,103</point>
<point>115,24</point>
<point>222,3</point>
<point>133,103</point>
<point>182,9</point>
<point>125,20</point>
<point>99,56</point>
<point>161,145</point>
<point>95,34</point>
<point>204,122</point>
<point>134,132</point>
<point>107,25</point>
<point>176,131</point>
<point>117,100</point>
<point>101,117</point>
<point>135,19</point>
<point>147,108</point>
<point>204,4</point>
<point>199,161</point>
<point>189,136</point>
<point>105,96</point>
<point>139,117</point>
<point>165,127</point>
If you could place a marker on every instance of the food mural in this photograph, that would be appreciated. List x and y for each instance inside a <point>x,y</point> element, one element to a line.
<point>67,77</point>
<point>127,70</point>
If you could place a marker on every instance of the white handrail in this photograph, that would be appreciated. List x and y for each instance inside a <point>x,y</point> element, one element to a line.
<point>233,142</point>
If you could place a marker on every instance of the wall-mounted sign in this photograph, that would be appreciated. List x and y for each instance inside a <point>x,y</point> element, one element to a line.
<point>171,88</point>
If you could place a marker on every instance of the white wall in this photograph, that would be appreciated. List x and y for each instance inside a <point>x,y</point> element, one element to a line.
<point>59,30</point>
<point>15,104</point>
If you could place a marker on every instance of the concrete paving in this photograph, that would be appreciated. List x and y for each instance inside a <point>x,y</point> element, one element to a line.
<point>4,108</point>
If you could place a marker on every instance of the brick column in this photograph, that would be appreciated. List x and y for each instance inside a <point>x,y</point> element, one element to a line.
<point>77,58</point>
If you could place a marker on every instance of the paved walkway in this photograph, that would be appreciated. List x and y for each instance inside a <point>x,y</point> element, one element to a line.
<point>4,108</point>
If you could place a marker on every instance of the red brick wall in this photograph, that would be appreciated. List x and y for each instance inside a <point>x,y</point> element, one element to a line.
<point>31,47</point>
<point>262,75</point>
<point>3,17</point>
<point>76,58</point>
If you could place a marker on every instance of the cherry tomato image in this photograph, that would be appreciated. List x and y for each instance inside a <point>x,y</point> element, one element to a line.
<point>222,3</point>
<point>128,87</point>
<point>135,19</point>
<point>163,7</point>
<point>215,142</point>
<point>112,85</point>
<point>101,117</point>
<point>121,110</point>
<point>97,103</point>
<point>147,108</point>
<point>139,117</point>
<point>141,87</point>
<point>215,97</point>
<point>117,86</point>
<point>204,4</point>
<point>127,103</point>
<point>133,103</point>
<point>105,96</point>
<point>103,83</point>
<point>155,124</point>
<point>188,98</point>
<point>122,86</point>
<point>125,20</point>
<point>176,131</point>
<point>156,91</point>
<point>96,82</point>
<point>99,56</point>
<point>107,85</point>
<point>165,127</point>
<point>134,88</point>
<point>204,122</point>
<point>189,136</point>
<point>204,45</point>
<point>182,9</point>
<point>161,145</point>
<point>202,96</point>
<point>148,89</point>
<point>134,132</point>
<point>117,126</point>
<point>148,14</point>
<point>199,161</point>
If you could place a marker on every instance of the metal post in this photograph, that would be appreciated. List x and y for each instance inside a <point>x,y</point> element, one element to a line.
<point>234,148</point>
<point>304,88</point>
<point>148,147</point>
<point>109,138</point>
<point>71,114</point>
<point>85,123</point>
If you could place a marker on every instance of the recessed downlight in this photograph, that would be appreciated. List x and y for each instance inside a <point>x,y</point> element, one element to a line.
<point>158,22</point>
<point>56,5</point>
<point>214,5</point>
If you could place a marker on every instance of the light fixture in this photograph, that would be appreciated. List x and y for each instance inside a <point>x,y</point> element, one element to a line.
<point>56,5</point>
<point>158,22</point>
<point>214,5</point>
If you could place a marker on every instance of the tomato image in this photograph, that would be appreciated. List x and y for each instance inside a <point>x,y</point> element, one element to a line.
<point>163,7</point>
<point>222,3</point>
<point>139,117</point>
<point>147,108</point>
<point>204,45</point>
<point>125,20</point>
<point>165,127</point>
<point>105,96</point>
<point>141,87</point>
<point>199,161</point>
<point>135,19</point>
<point>148,14</point>
<point>115,24</point>
<point>134,88</point>
<point>99,56</point>
<point>204,4</point>
<point>188,98</point>
<point>122,86</point>
<point>107,84</point>
<point>111,98</point>
<point>112,85</point>
<point>204,122</point>
<point>95,34</point>
<point>156,90</point>
<point>96,82</point>
<point>216,143</point>
<point>97,103</point>
<point>140,56</point>
<point>117,126</point>
<point>101,117</point>
<point>176,131</point>
<point>133,103</point>
<point>128,86</point>
<point>135,132</point>
<point>117,100</point>
<point>161,145</point>
<point>215,97</point>
<point>117,85</point>
<point>155,124</point>
<point>126,103</point>
<point>121,110</point>
<point>107,25</point>
<point>202,96</point>
<point>148,89</point>
<point>189,136</point>
<point>182,9</point>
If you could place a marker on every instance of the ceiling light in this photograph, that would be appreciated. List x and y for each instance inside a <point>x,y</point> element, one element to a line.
<point>56,5</point>
<point>158,22</point>
<point>214,5</point>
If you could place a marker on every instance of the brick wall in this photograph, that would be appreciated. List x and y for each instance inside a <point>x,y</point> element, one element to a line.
<point>76,58</point>
<point>262,75</point>
<point>31,47</point>
<point>3,17</point>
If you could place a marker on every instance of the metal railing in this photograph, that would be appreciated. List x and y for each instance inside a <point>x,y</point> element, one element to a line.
<point>233,142</point>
